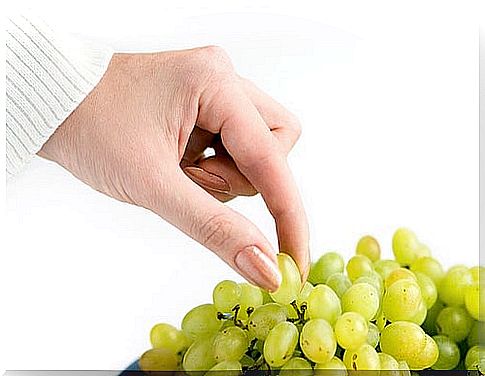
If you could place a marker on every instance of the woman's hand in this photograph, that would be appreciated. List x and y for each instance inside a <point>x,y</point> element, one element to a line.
<point>140,137</point>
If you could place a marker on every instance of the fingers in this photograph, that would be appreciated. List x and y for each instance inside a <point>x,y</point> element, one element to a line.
<point>283,124</point>
<point>261,159</point>
<point>230,235</point>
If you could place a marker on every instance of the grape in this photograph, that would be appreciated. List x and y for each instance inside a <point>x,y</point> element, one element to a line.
<point>280,344</point>
<point>264,318</point>
<point>449,353</point>
<point>296,367</point>
<point>323,303</point>
<point>251,297</point>
<point>325,266</point>
<point>302,299</point>
<point>429,324</point>
<point>357,266</point>
<point>334,367</point>
<point>317,341</point>
<point>388,364</point>
<point>230,368</point>
<point>420,316</point>
<point>401,300</point>
<point>369,247</point>
<point>201,321</point>
<point>380,319</point>
<point>339,283</point>
<point>427,357</point>
<point>230,344</point>
<point>475,359</point>
<point>422,251</point>
<point>478,273</point>
<point>404,245</point>
<point>475,301</point>
<point>169,337</point>
<point>477,334</point>
<point>364,357</point>
<point>453,285</point>
<point>403,340</point>
<point>398,274</point>
<point>362,298</point>
<point>385,267</point>
<point>429,266</point>
<point>373,335</point>
<point>226,295</point>
<point>291,283</point>
<point>374,279</point>
<point>351,330</point>
<point>454,322</point>
<point>159,359</point>
<point>428,289</point>
<point>404,368</point>
<point>200,355</point>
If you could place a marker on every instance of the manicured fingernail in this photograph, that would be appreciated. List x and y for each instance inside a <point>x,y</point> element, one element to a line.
<point>258,268</point>
<point>207,179</point>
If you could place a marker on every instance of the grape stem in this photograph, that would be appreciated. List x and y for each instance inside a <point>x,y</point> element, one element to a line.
<point>300,311</point>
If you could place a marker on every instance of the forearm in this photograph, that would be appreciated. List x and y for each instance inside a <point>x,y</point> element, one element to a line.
<point>47,76</point>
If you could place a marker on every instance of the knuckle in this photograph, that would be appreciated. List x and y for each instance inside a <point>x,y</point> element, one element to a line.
<point>215,59</point>
<point>216,231</point>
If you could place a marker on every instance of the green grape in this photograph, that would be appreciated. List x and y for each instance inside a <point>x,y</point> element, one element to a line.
<point>380,319</point>
<point>169,337</point>
<point>403,340</point>
<point>404,368</point>
<point>429,266</point>
<point>451,290</point>
<point>226,296</point>
<point>246,361</point>
<point>317,341</point>
<point>385,267</point>
<point>159,359</point>
<point>389,365</point>
<point>291,283</point>
<point>427,357</point>
<point>357,266</point>
<point>362,298</point>
<point>475,301</point>
<point>429,324</point>
<point>475,359</point>
<point>428,289</point>
<point>230,368</point>
<point>422,251</point>
<point>449,353</point>
<point>363,358</point>
<point>251,297</point>
<point>230,344</point>
<point>478,273</point>
<point>454,322</point>
<point>334,367</point>
<point>404,245</point>
<point>296,367</point>
<point>351,330</point>
<point>264,318</point>
<point>420,316</point>
<point>401,300</point>
<point>280,344</point>
<point>323,303</point>
<point>373,335</point>
<point>374,279</point>
<point>201,321</point>
<point>200,355</point>
<point>369,247</point>
<point>477,334</point>
<point>398,274</point>
<point>325,266</point>
<point>339,283</point>
<point>266,297</point>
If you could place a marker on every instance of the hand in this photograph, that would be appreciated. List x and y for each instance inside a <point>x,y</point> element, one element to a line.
<point>140,137</point>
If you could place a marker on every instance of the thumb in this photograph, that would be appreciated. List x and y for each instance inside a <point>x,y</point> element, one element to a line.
<point>227,233</point>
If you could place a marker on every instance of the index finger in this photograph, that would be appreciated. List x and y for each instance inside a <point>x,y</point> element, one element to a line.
<point>260,158</point>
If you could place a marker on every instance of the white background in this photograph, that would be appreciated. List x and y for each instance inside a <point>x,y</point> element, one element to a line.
<point>387,95</point>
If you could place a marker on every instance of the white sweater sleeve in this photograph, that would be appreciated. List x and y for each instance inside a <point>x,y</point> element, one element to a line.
<point>47,76</point>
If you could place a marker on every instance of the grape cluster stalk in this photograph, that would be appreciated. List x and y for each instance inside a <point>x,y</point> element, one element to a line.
<point>369,314</point>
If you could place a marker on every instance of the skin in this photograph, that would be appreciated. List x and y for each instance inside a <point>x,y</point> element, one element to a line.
<point>140,135</point>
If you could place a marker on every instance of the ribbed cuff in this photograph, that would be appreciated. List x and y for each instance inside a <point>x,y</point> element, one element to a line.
<point>47,76</point>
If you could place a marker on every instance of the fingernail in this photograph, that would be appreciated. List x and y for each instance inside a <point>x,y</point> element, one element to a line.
<point>207,179</point>
<point>257,267</point>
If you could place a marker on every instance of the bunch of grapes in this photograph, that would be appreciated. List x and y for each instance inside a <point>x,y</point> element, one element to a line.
<point>393,315</point>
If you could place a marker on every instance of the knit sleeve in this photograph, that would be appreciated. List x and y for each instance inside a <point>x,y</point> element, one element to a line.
<point>48,75</point>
